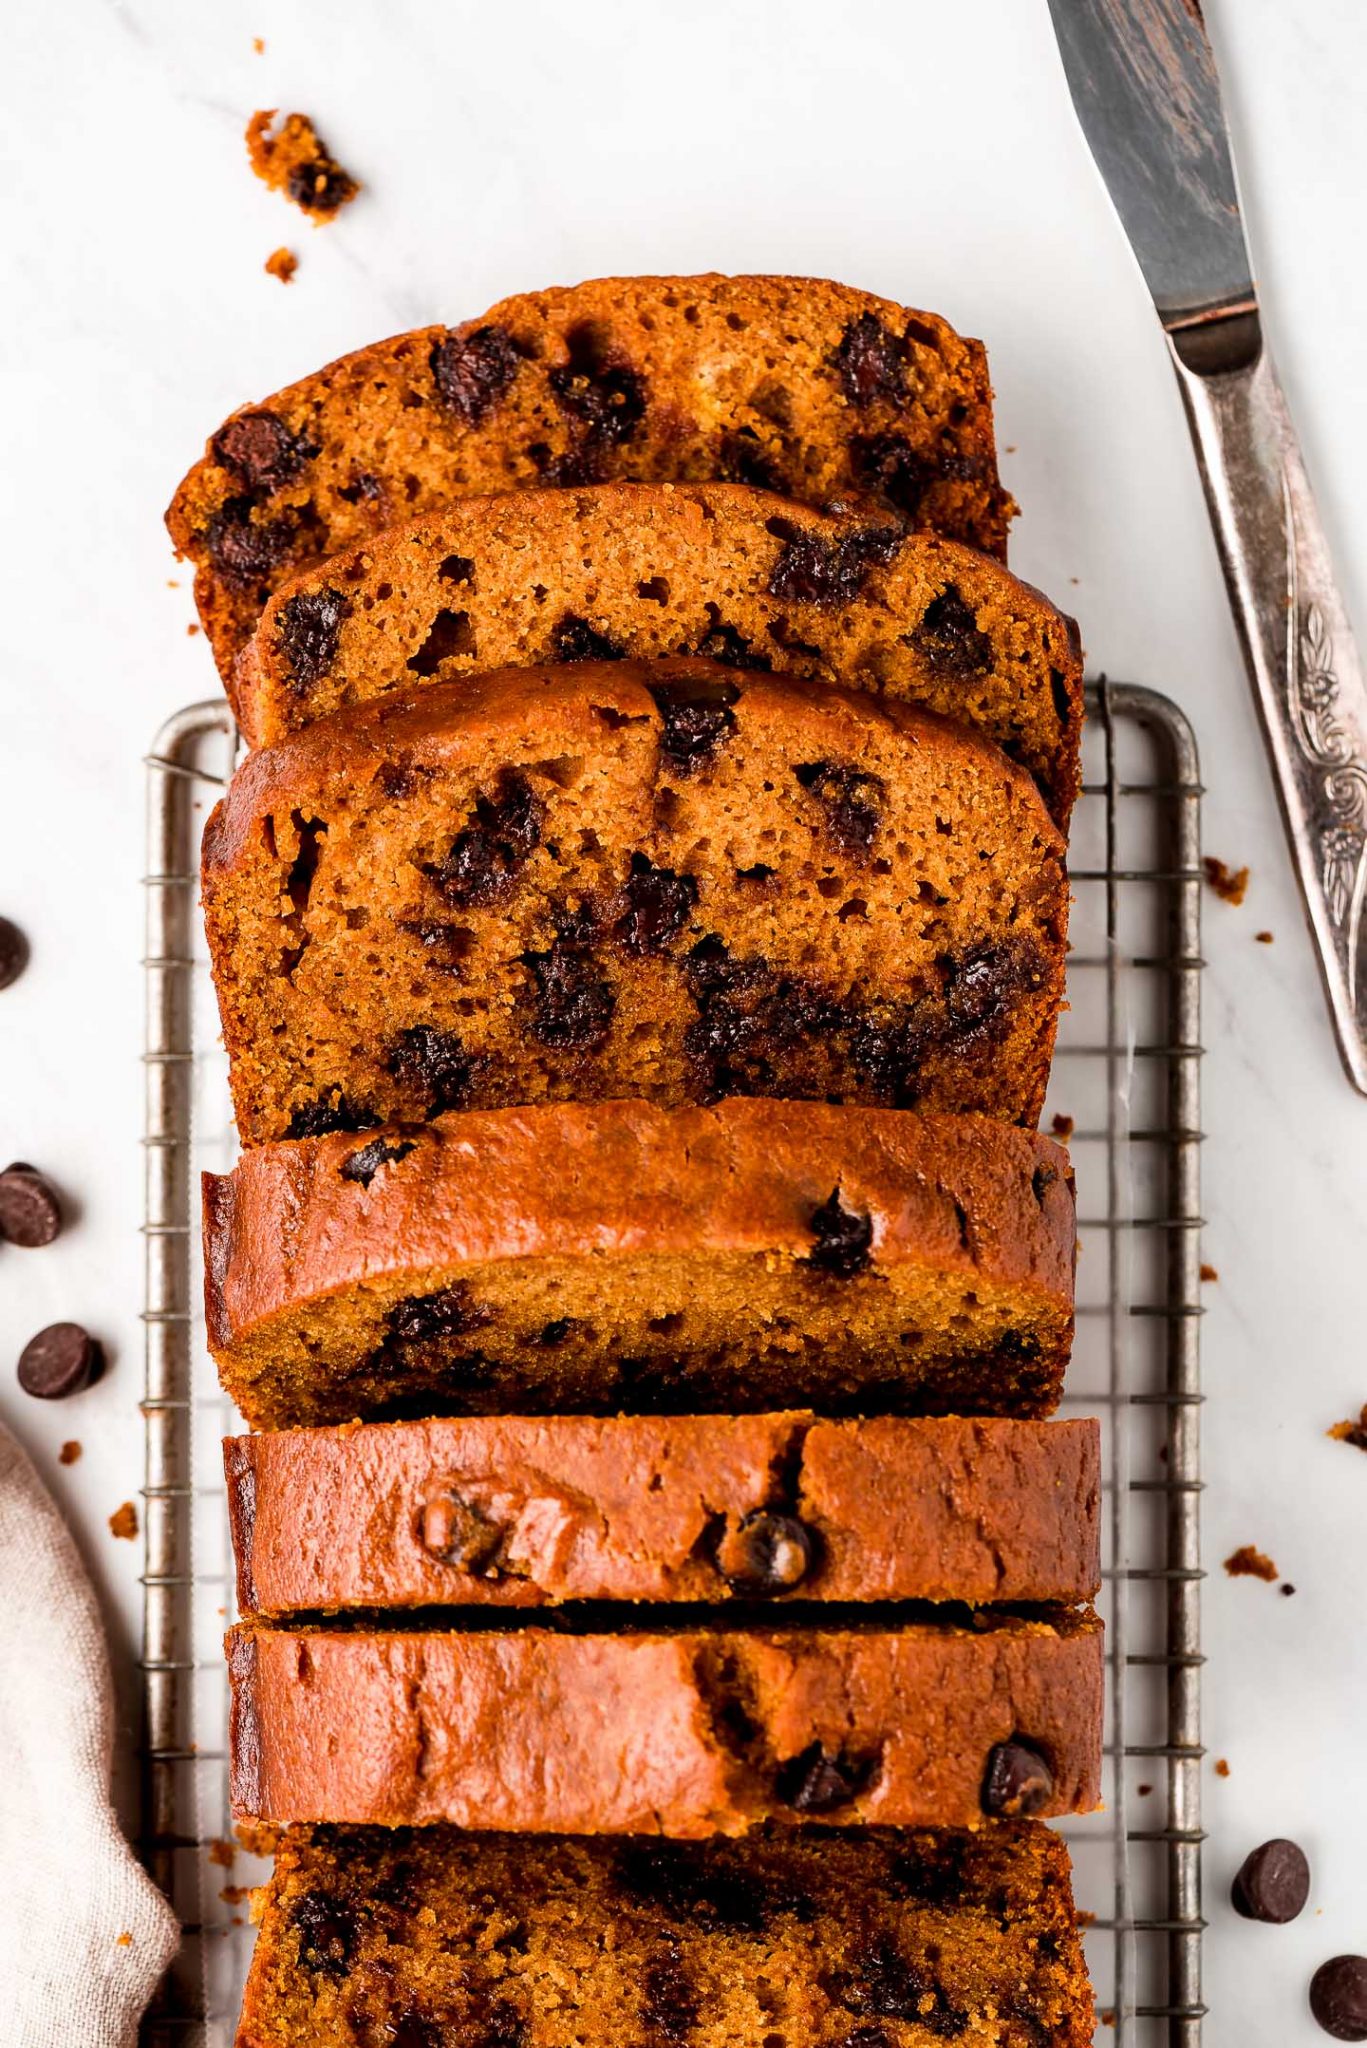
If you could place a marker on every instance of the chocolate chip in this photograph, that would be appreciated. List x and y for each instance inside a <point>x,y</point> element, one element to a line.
<point>1017,1780</point>
<point>882,1981</point>
<point>816,570</point>
<point>574,1005</point>
<point>602,395</point>
<point>449,634</point>
<point>697,718</point>
<point>659,903</point>
<point>242,549</point>
<point>766,1552</point>
<point>327,1933</point>
<point>1273,1882</point>
<point>948,638</point>
<point>456,569</point>
<point>261,451</point>
<point>817,1783</point>
<point>329,1113</point>
<point>457,1532</point>
<point>889,466</point>
<point>730,649</point>
<point>363,1166</point>
<point>485,858</point>
<point>556,1331</point>
<point>743,459</point>
<point>13,952</point>
<point>434,1063</point>
<point>1338,1997</point>
<point>30,1214</point>
<point>472,371</point>
<point>670,2006</point>
<point>62,1359</point>
<point>309,627</point>
<point>574,639</point>
<point>870,361</point>
<point>411,2030</point>
<point>321,186</point>
<point>450,1312</point>
<point>851,799</point>
<point>980,987</point>
<point>843,1237</point>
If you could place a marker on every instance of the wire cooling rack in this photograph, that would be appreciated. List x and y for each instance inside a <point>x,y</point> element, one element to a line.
<point>1125,1095</point>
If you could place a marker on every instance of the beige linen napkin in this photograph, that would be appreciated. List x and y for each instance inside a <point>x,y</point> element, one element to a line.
<point>84,1934</point>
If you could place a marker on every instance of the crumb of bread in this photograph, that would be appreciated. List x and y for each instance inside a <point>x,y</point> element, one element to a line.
<point>69,1452</point>
<point>292,158</point>
<point>1354,1433</point>
<point>1263,938</point>
<point>1249,1563</point>
<point>259,45</point>
<point>1229,884</point>
<point>124,1521</point>
<point>1062,1126</point>
<point>282,263</point>
<point>1209,1272</point>
<point>1222,1767</point>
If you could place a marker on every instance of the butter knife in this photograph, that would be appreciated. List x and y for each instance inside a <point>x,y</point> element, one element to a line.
<point>1143,80</point>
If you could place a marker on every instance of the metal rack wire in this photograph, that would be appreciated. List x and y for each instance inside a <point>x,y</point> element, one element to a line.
<point>1126,1092</point>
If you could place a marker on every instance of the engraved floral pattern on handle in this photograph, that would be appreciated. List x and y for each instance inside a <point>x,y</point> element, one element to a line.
<point>1342,831</point>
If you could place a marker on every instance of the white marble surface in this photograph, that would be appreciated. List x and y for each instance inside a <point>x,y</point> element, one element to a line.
<point>923,150</point>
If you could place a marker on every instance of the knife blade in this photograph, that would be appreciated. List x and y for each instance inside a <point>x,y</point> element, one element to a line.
<point>1144,82</point>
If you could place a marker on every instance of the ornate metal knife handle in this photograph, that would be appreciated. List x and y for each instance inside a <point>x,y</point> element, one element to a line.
<point>1297,644</point>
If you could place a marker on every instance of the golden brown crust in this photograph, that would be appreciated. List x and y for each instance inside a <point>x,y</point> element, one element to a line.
<point>649,571</point>
<point>523,1512</point>
<point>624,878</point>
<point>693,1236</point>
<point>371,1935</point>
<point>806,387</point>
<point>689,1733</point>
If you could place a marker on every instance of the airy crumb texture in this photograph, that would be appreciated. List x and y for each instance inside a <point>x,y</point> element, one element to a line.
<point>673,1731</point>
<point>524,1512</point>
<point>124,1521</point>
<point>1229,884</point>
<point>291,158</point>
<point>624,879</point>
<point>282,263</point>
<point>1248,1563</point>
<point>619,1256</point>
<point>717,570</point>
<point>792,384</point>
<point>810,1939</point>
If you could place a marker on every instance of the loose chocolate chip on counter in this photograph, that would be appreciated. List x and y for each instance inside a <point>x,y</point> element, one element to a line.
<point>62,1359</point>
<point>1338,1997</point>
<point>1273,1882</point>
<point>13,952</point>
<point>457,1532</point>
<point>843,1238</point>
<point>1017,1780</point>
<point>817,1783</point>
<point>30,1214</point>
<point>766,1552</point>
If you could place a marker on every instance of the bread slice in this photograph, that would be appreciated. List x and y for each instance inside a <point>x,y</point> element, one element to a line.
<point>801,386</point>
<point>805,1936</point>
<point>526,1512</point>
<point>577,1257</point>
<point>641,570</point>
<point>631,879</point>
<point>691,1731</point>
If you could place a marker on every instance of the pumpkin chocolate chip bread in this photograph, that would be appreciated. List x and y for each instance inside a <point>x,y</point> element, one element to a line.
<point>811,1937</point>
<point>679,1731</point>
<point>574,1257</point>
<point>641,570</point>
<point>525,1512</point>
<point>653,879</point>
<point>794,384</point>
